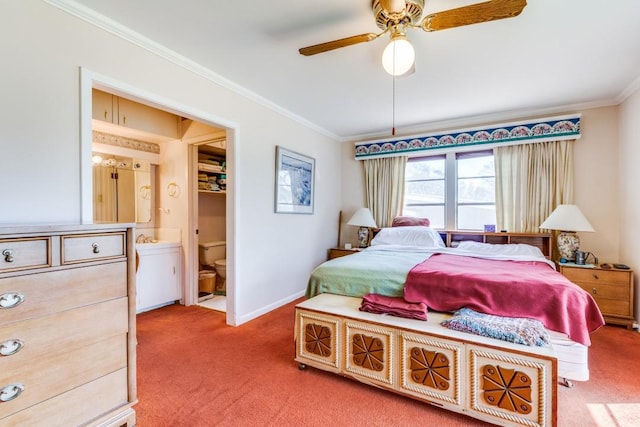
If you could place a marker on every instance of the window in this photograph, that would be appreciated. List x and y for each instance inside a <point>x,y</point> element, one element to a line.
<point>425,189</point>
<point>476,191</point>
<point>455,191</point>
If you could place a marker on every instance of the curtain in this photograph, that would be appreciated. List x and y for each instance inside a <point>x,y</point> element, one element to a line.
<point>531,180</point>
<point>384,181</point>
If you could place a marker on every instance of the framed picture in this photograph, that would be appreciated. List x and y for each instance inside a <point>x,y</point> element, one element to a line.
<point>295,182</point>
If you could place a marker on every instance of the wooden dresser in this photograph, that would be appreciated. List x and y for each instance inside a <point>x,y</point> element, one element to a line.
<point>612,289</point>
<point>67,326</point>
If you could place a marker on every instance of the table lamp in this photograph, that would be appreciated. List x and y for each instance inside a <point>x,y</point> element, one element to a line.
<point>567,219</point>
<point>363,219</point>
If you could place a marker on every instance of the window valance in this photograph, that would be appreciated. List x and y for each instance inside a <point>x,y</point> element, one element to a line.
<point>557,128</point>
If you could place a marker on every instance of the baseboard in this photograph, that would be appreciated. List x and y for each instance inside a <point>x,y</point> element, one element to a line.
<point>266,309</point>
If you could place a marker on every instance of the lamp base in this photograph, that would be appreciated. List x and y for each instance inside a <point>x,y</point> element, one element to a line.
<point>363,237</point>
<point>568,244</point>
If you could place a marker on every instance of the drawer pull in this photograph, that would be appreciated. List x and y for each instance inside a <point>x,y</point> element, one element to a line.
<point>11,391</point>
<point>594,291</point>
<point>10,347</point>
<point>595,276</point>
<point>11,299</point>
<point>96,248</point>
<point>8,255</point>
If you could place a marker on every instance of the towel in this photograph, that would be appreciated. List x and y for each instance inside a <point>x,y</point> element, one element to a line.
<point>394,306</point>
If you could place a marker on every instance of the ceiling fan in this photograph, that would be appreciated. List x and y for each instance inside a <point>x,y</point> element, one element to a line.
<point>396,16</point>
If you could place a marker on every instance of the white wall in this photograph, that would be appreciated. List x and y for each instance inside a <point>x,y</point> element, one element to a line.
<point>628,179</point>
<point>40,146</point>
<point>596,181</point>
<point>353,192</point>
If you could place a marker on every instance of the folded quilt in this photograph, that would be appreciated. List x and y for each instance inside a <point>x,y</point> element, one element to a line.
<point>517,330</point>
<point>394,306</point>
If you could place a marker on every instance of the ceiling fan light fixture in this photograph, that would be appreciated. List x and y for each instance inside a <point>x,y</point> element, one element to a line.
<point>399,56</point>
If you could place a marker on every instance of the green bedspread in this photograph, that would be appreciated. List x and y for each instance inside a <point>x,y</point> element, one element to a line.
<point>369,271</point>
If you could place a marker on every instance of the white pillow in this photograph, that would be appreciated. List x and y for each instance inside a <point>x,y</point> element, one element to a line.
<point>409,236</point>
<point>512,249</point>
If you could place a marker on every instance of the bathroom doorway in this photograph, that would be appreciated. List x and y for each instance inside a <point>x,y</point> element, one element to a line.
<point>212,190</point>
<point>182,172</point>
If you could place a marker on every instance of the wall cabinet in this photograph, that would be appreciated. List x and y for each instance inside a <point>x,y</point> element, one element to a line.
<point>113,110</point>
<point>67,326</point>
<point>159,276</point>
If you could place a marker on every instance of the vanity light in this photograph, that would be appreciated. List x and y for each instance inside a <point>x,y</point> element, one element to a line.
<point>96,159</point>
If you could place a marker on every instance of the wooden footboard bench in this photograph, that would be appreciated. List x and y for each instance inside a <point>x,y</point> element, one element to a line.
<point>488,379</point>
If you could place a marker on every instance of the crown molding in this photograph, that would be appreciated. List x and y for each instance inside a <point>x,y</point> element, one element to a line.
<point>92,17</point>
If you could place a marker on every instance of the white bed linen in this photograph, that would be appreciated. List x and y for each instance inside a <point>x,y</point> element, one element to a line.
<point>573,357</point>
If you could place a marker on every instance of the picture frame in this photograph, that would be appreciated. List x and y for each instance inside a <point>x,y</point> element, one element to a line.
<point>294,182</point>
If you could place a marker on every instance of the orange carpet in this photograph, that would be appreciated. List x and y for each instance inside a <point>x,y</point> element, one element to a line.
<point>194,370</point>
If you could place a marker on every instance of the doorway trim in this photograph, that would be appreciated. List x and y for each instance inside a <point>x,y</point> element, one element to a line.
<point>91,80</point>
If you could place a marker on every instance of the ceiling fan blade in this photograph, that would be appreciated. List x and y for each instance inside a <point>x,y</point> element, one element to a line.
<point>336,44</point>
<point>473,14</point>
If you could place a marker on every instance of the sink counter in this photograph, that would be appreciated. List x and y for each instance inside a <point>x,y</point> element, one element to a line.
<point>160,244</point>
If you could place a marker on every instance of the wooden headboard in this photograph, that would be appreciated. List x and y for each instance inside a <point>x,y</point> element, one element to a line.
<point>542,241</point>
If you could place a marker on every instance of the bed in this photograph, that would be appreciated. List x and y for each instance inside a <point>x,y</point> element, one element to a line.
<point>414,263</point>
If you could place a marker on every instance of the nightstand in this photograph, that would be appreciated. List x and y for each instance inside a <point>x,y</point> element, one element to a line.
<point>338,252</point>
<point>611,288</point>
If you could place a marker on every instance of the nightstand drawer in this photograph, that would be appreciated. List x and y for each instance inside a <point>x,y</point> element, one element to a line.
<point>605,290</point>
<point>591,276</point>
<point>338,252</point>
<point>614,307</point>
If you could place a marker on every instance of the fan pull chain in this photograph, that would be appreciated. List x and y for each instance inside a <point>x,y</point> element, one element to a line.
<point>393,105</point>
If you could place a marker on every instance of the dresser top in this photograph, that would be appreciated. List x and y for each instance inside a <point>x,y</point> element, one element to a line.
<point>33,229</point>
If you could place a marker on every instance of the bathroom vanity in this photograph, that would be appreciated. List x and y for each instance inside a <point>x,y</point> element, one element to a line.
<point>159,276</point>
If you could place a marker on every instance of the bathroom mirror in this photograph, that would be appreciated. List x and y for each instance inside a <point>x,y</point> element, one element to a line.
<point>122,189</point>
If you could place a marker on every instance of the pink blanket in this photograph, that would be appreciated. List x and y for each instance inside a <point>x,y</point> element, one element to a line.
<point>505,288</point>
<point>395,306</point>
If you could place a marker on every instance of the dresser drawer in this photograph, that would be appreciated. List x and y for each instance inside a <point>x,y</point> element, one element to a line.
<point>23,342</point>
<point>47,293</point>
<point>23,254</point>
<point>591,276</point>
<point>76,406</point>
<point>82,248</point>
<point>49,376</point>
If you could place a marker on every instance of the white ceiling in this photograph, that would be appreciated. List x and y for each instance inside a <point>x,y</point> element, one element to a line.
<point>555,57</point>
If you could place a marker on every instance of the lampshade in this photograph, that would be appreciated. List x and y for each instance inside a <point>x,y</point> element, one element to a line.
<point>567,218</point>
<point>363,218</point>
<point>399,56</point>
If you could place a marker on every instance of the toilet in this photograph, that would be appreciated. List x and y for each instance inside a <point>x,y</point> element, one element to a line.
<point>212,255</point>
